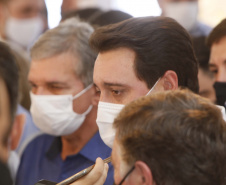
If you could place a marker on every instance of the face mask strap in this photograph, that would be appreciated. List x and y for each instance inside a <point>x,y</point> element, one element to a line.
<point>153,87</point>
<point>83,91</point>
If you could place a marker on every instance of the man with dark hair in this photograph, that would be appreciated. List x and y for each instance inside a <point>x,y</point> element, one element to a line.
<point>170,138</point>
<point>138,56</point>
<point>8,105</point>
<point>217,43</point>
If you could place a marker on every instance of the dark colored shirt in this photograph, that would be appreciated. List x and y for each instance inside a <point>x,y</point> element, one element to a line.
<point>42,160</point>
<point>5,175</point>
<point>200,29</point>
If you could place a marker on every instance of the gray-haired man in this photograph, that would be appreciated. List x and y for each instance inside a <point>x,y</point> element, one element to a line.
<point>64,103</point>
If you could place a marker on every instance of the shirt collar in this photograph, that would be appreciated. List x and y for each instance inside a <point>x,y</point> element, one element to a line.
<point>93,149</point>
<point>55,148</point>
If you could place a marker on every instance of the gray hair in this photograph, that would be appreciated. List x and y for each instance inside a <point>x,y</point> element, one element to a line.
<point>71,36</point>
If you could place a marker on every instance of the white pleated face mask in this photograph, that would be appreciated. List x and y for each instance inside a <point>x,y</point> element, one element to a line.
<point>185,13</point>
<point>24,31</point>
<point>54,115</point>
<point>106,114</point>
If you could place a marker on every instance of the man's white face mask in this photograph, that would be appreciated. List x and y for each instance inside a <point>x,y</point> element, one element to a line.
<point>106,114</point>
<point>54,115</point>
<point>24,31</point>
<point>185,13</point>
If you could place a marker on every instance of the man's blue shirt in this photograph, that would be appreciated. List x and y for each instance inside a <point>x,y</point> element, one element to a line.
<point>42,160</point>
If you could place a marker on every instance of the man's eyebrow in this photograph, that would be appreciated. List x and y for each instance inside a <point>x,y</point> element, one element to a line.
<point>114,84</point>
<point>50,82</point>
<point>212,65</point>
<point>56,83</point>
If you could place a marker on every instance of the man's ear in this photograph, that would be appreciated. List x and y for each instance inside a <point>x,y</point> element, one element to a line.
<point>95,97</point>
<point>170,80</point>
<point>143,172</point>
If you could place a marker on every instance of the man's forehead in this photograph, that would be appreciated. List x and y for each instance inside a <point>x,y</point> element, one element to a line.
<point>27,3</point>
<point>218,51</point>
<point>57,68</point>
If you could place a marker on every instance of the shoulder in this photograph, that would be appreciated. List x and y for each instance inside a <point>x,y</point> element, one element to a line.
<point>37,146</point>
<point>200,29</point>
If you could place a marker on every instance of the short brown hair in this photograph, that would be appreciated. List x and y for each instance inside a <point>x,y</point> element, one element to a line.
<point>160,44</point>
<point>179,135</point>
<point>217,33</point>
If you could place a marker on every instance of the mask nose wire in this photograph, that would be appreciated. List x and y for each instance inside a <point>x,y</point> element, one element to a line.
<point>83,91</point>
<point>153,87</point>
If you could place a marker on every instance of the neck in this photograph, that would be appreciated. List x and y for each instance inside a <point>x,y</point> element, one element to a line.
<point>73,143</point>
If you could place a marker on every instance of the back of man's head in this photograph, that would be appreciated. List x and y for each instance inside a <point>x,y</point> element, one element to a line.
<point>179,135</point>
<point>160,44</point>
<point>72,37</point>
<point>9,74</point>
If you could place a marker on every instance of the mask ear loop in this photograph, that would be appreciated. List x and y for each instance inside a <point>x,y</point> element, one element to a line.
<point>153,87</point>
<point>83,91</point>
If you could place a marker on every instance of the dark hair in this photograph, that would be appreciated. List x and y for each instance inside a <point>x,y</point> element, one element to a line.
<point>86,14</point>
<point>9,74</point>
<point>202,52</point>
<point>160,44</point>
<point>179,135</point>
<point>110,17</point>
<point>217,33</point>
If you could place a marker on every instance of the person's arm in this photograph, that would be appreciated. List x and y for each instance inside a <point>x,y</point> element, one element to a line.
<point>96,176</point>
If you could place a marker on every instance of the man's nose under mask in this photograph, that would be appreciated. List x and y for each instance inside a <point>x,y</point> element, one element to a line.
<point>106,114</point>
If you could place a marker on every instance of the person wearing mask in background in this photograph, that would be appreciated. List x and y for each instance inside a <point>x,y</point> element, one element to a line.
<point>22,22</point>
<point>217,63</point>
<point>170,138</point>
<point>205,76</point>
<point>8,106</point>
<point>63,105</point>
<point>186,13</point>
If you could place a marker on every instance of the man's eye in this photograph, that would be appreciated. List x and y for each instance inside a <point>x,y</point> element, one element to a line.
<point>97,90</point>
<point>214,71</point>
<point>56,87</point>
<point>116,92</point>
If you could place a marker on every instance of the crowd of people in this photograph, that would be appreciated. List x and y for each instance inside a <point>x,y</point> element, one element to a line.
<point>150,92</point>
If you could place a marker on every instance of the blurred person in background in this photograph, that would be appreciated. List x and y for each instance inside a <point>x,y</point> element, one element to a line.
<point>186,13</point>
<point>109,17</point>
<point>8,106</point>
<point>86,14</point>
<point>97,17</point>
<point>21,22</point>
<point>71,5</point>
<point>217,63</point>
<point>205,76</point>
